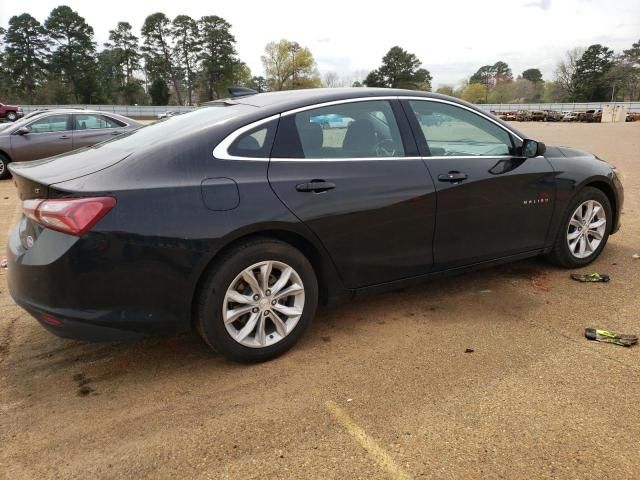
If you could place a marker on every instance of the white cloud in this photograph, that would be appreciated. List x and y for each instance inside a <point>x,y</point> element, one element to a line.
<point>452,38</point>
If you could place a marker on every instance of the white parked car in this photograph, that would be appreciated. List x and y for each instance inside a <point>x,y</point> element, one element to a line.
<point>167,114</point>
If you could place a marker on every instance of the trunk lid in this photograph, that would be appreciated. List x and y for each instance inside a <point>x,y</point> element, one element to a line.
<point>33,179</point>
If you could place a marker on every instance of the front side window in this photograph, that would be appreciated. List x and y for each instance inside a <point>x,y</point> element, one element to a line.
<point>92,122</point>
<point>365,129</point>
<point>52,123</point>
<point>454,131</point>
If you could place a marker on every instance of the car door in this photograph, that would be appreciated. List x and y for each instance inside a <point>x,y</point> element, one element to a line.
<point>359,185</point>
<point>48,135</point>
<point>91,128</point>
<point>492,202</point>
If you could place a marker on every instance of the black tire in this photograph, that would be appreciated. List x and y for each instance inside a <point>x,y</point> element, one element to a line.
<point>12,116</point>
<point>561,254</point>
<point>4,167</point>
<point>221,276</point>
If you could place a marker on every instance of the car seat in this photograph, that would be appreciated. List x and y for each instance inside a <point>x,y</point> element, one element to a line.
<point>360,139</point>
<point>311,138</point>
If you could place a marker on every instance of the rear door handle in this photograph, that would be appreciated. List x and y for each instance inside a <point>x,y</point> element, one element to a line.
<point>315,186</point>
<point>452,177</point>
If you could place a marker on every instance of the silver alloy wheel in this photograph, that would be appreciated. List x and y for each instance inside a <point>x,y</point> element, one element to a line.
<point>586,228</point>
<point>2,167</point>
<point>263,304</point>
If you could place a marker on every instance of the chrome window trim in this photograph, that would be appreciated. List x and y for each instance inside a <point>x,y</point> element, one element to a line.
<point>348,159</point>
<point>338,102</point>
<point>220,152</point>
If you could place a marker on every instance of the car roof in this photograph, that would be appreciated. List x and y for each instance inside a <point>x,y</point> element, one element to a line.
<point>310,96</point>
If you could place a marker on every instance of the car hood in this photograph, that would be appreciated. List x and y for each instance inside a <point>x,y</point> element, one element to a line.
<point>567,152</point>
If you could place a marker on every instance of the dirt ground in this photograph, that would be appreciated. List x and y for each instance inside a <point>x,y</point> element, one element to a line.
<point>378,388</point>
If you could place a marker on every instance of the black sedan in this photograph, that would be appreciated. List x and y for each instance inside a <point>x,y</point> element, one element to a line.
<point>238,218</point>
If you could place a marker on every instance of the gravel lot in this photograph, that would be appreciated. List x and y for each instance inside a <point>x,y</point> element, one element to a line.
<point>378,388</point>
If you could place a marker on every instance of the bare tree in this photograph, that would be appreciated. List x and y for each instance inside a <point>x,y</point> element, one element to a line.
<point>564,74</point>
<point>331,80</point>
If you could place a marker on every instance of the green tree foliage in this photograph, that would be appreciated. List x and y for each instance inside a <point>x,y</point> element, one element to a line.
<point>400,69</point>
<point>159,51</point>
<point>159,92</point>
<point>217,55</point>
<point>187,49</point>
<point>446,90</point>
<point>492,76</point>
<point>288,66</point>
<point>624,75</point>
<point>475,93</point>
<point>483,76</point>
<point>119,65</point>
<point>501,73</point>
<point>5,72</point>
<point>125,44</point>
<point>74,56</point>
<point>259,84</point>
<point>590,76</point>
<point>533,75</point>
<point>25,54</point>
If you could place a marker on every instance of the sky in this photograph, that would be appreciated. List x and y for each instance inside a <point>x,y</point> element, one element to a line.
<point>452,38</point>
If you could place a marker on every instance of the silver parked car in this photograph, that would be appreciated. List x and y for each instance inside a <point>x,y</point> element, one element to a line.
<point>57,131</point>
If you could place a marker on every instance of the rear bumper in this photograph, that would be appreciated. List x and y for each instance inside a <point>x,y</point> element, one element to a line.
<point>75,288</point>
<point>61,325</point>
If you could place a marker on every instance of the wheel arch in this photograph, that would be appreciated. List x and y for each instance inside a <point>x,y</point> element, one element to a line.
<point>6,154</point>
<point>608,190</point>
<point>330,287</point>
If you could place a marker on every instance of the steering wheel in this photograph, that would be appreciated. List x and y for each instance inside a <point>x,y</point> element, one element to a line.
<point>385,148</point>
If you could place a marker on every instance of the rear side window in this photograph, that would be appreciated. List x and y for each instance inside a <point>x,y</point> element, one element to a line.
<point>52,123</point>
<point>365,129</point>
<point>255,143</point>
<point>93,122</point>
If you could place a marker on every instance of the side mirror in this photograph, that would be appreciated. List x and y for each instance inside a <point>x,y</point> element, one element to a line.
<point>531,148</point>
<point>22,131</point>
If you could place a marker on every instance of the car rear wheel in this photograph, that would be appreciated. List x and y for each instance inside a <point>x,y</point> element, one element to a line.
<point>11,116</point>
<point>4,167</point>
<point>257,301</point>
<point>585,229</point>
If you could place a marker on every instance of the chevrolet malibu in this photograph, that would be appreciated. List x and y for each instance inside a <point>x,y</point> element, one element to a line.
<point>237,219</point>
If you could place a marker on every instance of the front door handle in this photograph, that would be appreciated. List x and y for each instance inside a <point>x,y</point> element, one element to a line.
<point>64,137</point>
<point>115,133</point>
<point>315,186</point>
<point>452,177</point>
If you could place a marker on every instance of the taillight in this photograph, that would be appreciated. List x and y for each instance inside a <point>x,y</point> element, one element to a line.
<point>74,216</point>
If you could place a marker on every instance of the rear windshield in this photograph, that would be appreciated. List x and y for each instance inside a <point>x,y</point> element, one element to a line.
<point>176,126</point>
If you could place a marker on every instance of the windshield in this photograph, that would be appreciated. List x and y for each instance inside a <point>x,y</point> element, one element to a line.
<point>176,126</point>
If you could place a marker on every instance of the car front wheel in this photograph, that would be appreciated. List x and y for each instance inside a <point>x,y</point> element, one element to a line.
<point>11,116</point>
<point>4,167</point>
<point>257,301</point>
<point>585,229</point>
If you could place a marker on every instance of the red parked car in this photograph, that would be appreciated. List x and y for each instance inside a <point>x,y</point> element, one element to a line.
<point>11,112</point>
